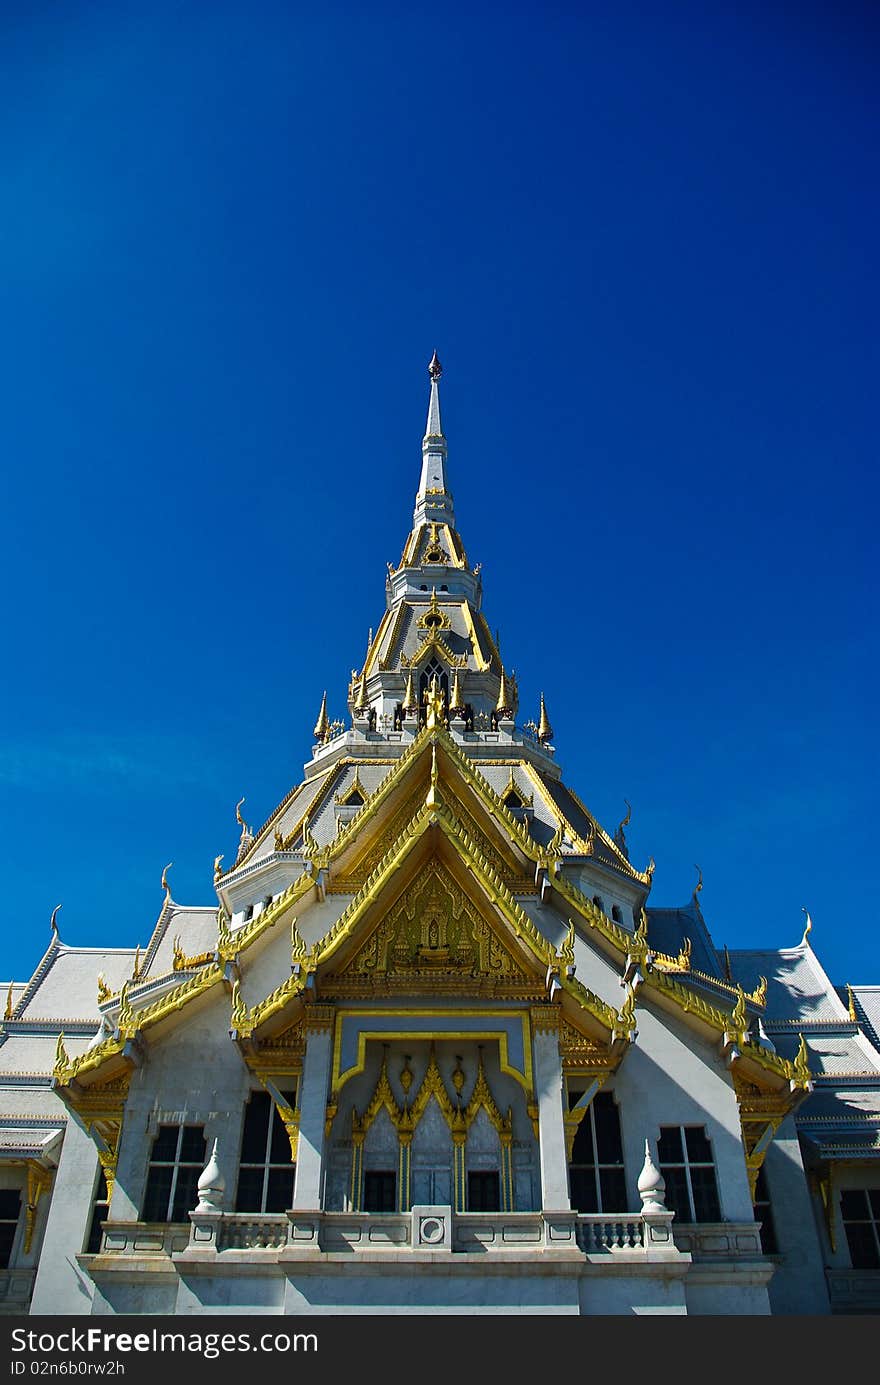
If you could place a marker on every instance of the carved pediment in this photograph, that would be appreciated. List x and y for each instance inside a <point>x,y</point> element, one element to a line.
<point>433,938</point>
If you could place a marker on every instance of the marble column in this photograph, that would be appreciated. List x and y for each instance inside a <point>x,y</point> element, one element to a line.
<point>547,1066</point>
<point>314,1089</point>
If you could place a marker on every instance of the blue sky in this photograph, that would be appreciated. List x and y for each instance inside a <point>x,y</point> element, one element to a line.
<point>643,240</point>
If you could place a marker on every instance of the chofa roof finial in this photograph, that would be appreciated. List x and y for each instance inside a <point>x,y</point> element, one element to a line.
<point>435,369</point>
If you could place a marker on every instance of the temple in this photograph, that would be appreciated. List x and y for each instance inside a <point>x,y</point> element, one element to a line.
<point>433,1048</point>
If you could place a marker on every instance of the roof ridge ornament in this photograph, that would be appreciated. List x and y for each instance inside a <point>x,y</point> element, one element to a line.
<point>435,369</point>
<point>809,926</point>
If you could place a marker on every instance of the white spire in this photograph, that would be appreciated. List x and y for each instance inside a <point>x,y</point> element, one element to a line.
<point>433,501</point>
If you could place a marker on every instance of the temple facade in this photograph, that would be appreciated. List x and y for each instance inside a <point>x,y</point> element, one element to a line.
<point>433,1047</point>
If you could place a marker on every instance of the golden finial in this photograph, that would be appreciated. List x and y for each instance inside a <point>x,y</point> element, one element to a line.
<point>9,1006</point>
<point>279,840</point>
<point>641,932</point>
<point>698,886</point>
<point>178,957</point>
<point>435,369</point>
<point>62,1060</point>
<point>165,886</point>
<point>52,922</point>
<point>362,705</point>
<point>409,697</point>
<point>503,706</point>
<point>455,702</point>
<point>740,1018</point>
<point>802,1074</point>
<point>322,725</point>
<point>620,835</point>
<point>850,995</point>
<point>684,955</point>
<point>436,703</point>
<point>759,994</point>
<point>545,730</point>
<point>650,870</point>
<point>104,991</point>
<point>808,928</point>
<point>217,871</point>
<point>238,817</point>
<point>137,963</point>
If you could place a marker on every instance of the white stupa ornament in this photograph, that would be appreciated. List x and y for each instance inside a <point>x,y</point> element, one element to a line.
<point>651,1186</point>
<point>211,1185</point>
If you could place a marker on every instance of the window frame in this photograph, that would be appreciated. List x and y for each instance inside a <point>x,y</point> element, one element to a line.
<point>176,1165</point>
<point>15,1223</point>
<point>872,1220</point>
<point>598,1165</point>
<point>268,1164</point>
<point>687,1163</point>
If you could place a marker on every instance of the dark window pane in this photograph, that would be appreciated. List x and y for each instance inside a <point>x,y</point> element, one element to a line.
<point>256,1127</point>
<point>249,1196</point>
<point>280,1153</point>
<point>583,1190</point>
<point>764,1214</point>
<point>862,1246</point>
<point>484,1191</point>
<point>165,1144</point>
<point>574,1097</point>
<point>7,1236</point>
<point>582,1150</point>
<point>192,1147</point>
<point>186,1192</point>
<point>379,1191</point>
<point>698,1146</point>
<point>610,1148</point>
<point>613,1185</point>
<point>669,1150</point>
<point>158,1189</point>
<point>677,1193</point>
<point>874,1199</point>
<point>706,1204</point>
<point>279,1194</point>
<point>854,1203</point>
<point>10,1204</point>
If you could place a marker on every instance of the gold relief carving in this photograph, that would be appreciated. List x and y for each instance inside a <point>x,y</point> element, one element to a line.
<point>579,1051</point>
<point>546,1019</point>
<point>318,1019</point>
<point>433,932</point>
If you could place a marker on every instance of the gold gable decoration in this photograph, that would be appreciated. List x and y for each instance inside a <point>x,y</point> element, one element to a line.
<point>434,938</point>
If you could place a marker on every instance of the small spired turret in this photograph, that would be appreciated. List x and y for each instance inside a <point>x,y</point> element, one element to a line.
<point>433,499</point>
<point>322,725</point>
<point>545,730</point>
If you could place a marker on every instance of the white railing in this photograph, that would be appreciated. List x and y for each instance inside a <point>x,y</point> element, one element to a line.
<point>243,1231</point>
<point>599,1232</point>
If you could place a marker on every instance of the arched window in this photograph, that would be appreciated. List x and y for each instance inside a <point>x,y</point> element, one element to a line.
<point>617,913</point>
<point>599,902</point>
<point>433,669</point>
